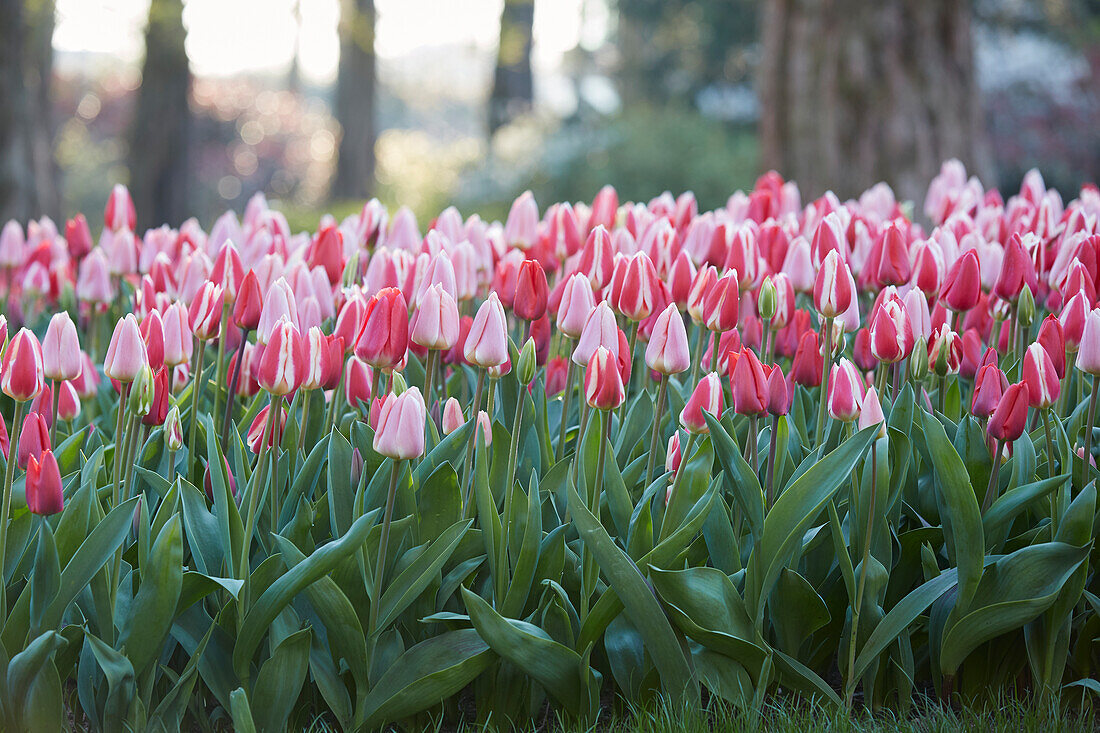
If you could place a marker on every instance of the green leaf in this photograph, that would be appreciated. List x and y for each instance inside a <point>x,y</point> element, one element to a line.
<point>425,675</point>
<point>280,682</point>
<point>742,480</point>
<point>341,494</point>
<point>241,712</point>
<point>560,670</point>
<point>120,678</point>
<point>154,607</point>
<point>1012,502</point>
<point>416,576</point>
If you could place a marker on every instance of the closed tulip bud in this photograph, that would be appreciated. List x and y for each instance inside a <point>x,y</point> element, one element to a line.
<point>22,377</point>
<point>680,278</point>
<point>126,354</point>
<point>384,339</point>
<point>453,419</point>
<point>278,304</point>
<point>894,268</point>
<point>891,332</point>
<point>205,313</point>
<point>158,408</point>
<point>357,383</point>
<point>945,351</point>
<point>260,434</point>
<point>1043,385</point>
<point>749,385</point>
<point>962,287</point>
<point>43,485</point>
<point>34,438</point>
<point>599,330</point>
<point>603,383</point>
<point>832,286</point>
<point>706,397</point>
<point>1053,340</point>
<point>487,343</point>
<point>532,291</point>
<point>1014,270</point>
<point>668,351</point>
<point>1010,418</point>
<point>1088,354</point>
<point>78,236</point>
<point>989,384</point>
<point>870,413</point>
<point>435,322</point>
<point>93,282</point>
<point>1025,307</point>
<point>61,348</point>
<point>862,355</point>
<point>577,303</point>
<point>119,213</point>
<point>918,364</point>
<point>142,391</point>
<point>398,384</point>
<point>68,402</point>
<point>249,304</point>
<point>779,393</point>
<point>597,258</point>
<point>316,358</point>
<point>525,367</point>
<point>208,485</point>
<point>845,396</point>
<point>673,456</point>
<point>1073,316</point>
<point>400,431</point>
<point>721,307</point>
<point>173,429</point>
<point>178,340</point>
<point>327,251</point>
<point>484,428</point>
<point>705,279</point>
<point>521,227</point>
<point>638,295</point>
<point>3,333</point>
<point>808,362</point>
<point>152,332</point>
<point>766,299</point>
<point>282,364</point>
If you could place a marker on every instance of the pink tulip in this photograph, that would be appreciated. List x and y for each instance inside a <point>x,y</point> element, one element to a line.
<point>282,365</point>
<point>521,229</point>
<point>384,338</point>
<point>845,396</point>
<point>1009,420</point>
<point>707,397</point>
<point>668,351</point>
<point>178,340</point>
<point>357,383</point>
<point>435,323</point>
<point>126,354</point>
<point>989,385</point>
<point>1043,385</point>
<point>93,284</point>
<point>599,330</point>
<point>119,212</point>
<point>43,485</point>
<point>871,412</point>
<point>487,343</point>
<point>603,383</point>
<point>278,303</point>
<point>779,393</point>
<point>205,313</point>
<point>1088,353</point>
<point>61,348</point>
<point>577,303</point>
<point>832,287</point>
<point>400,431</point>
<point>34,438</point>
<point>453,419</point>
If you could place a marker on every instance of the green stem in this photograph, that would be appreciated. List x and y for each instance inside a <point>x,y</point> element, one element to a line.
<point>302,426</point>
<point>383,546</point>
<point>254,486</point>
<point>53,413</point>
<point>851,686</point>
<point>467,475</point>
<point>513,454</point>
<point>769,482</point>
<point>567,396</point>
<point>5,507</point>
<point>655,433</point>
<point>275,490</point>
<point>589,569</point>
<point>826,363</point>
<point>219,368</point>
<point>991,489</point>
<point>196,384</point>
<point>231,396</point>
<point>1089,424</point>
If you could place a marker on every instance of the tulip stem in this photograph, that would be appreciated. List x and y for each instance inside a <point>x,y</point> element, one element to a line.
<point>219,368</point>
<point>128,455</point>
<point>302,426</point>
<point>233,380</point>
<point>630,363</point>
<point>567,397</point>
<point>826,362</point>
<point>196,381</point>
<point>429,371</point>
<point>383,546</point>
<point>502,553</point>
<point>467,477</point>
<point>655,433</point>
<point>1086,459</point>
<point>338,395</point>
<point>717,339</point>
<point>861,588</point>
<point>5,507</point>
<point>750,443</point>
<point>991,490</point>
<point>765,338</point>
<point>589,569</point>
<point>254,485</point>
<point>769,481</point>
<point>120,426</point>
<point>53,413</point>
<point>273,493</point>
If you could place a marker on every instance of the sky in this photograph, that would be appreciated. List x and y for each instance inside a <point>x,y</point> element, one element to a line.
<point>230,37</point>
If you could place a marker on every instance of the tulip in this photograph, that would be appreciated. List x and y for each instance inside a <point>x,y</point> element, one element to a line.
<point>259,436</point>
<point>158,409</point>
<point>1088,354</point>
<point>487,343</point>
<point>832,287</point>
<point>599,330</point>
<point>989,385</point>
<point>1014,272</point>
<point>435,324</point>
<point>1010,418</point>
<point>894,268</point>
<point>78,236</point>
<point>597,258</point>
<point>673,457</point>
<point>1041,378</point>
<point>43,485</point>
<point>1053,340</point>
<point>780,394</point>
<point>249,303</point>
<point>68,402</point>
<point>862,353</point>
<point>808,362</point>
<point>521,228</point>
<point>962,286</point>
<point>61,349</point>
<point>22,375</point>
<point>680,278</point>
<point>871,414</point>
<point>358,379</point>
<point>603,383</point>
<point>668,351</point>
<point>400,432</point>
<point>701,286</point>
<point>34,437</point>
<point>945,351</point>
<point>453,419</point>
<point>749,385</point>
<point>278,303</point>
<point>531,291</point>
<point>845,394</point>
<point>484,429</point>
<point>205,314</point>
<point>384,338</point>
<point>93,283</point>
<point>706,397</point>
<point>152,332</point>
<point>1073,317</point>
<point>282,364</point>
<point>891,332</point>
<point>119,212</point>
<point>178,339</point>
<point>173,430</point>
<point>636,297</point>
<point>317,359</point>
<point>721,307</point>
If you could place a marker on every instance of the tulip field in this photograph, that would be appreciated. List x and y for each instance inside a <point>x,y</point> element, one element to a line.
<point>402,474</point>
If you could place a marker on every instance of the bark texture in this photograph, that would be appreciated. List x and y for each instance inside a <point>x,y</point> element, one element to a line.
<point>513,91</point>
<point>355,96</point>
<point>854,92</point>
<point>161,131</point>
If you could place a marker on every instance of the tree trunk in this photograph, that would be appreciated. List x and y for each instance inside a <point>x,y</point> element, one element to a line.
<point>28,176</point>
<point>355,85</point>
<point>513,85</point>
<point>853,92</point>
<point>160,135</point>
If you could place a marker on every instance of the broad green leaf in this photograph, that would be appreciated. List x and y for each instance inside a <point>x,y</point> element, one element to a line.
<point>280,682</point>
<point>154,607</point>
<point>416,576</point>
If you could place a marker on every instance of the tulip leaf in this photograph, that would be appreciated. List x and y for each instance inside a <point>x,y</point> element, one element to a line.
<point>415,577</point>
<point>154,606</point>
<point>120,677</point>
<point>341,494</point>
<point>742,480</point>
<point>280,682</point>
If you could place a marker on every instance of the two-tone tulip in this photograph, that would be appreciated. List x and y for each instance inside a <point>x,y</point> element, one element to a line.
<point>126,354</point>
<point>990,384</point>
<point>603,382</point>
<point>1009,420</point>
<point>749,385</point>
<point>282,365</point>
<point>178,339</point>
<point>435,324</point>
<point>668,351</point>
<point>706,397</point>
<point>400,430</point>
<point>61,349</point>
<point>845,395</point>
<point>891,332</point>
<point>833,286</point>
<point>486,344</point>
<point>384,338</point>
<point>1041,378</point>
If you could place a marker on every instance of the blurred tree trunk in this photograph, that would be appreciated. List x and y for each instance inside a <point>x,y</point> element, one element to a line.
<point>28,175</point>
<point>355,88</point>
<point>854,92</point>
<point>513,85</point>
<point>160,134</point>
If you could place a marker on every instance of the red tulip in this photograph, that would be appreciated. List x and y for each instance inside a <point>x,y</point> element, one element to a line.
<point>779,393</point>
<point>891,331</point>
<point>1053,340</point>
<point>1010,418</point>
<point>205,314</point>
<point>894,266</point>
<point>327,251</point>
<point>532,291</point>
<point>259,428</point>
<point>22,377</point>
<point>989,384</point>
<point>249,303</point>
<point>808,362</point>
<point>158,411</point>
<point>706,397</point>
<point>1043,385</point>
<point>78,236</point>
<point>721,307</point>
<point>1014,273</point>
<point>282,364</point>
<point>152,332</point>
<point>833,287</point>
<point>748,385</point>
<point>358,379</point>
<point>962,287</point>
<point>43,485</point>
<point>384,339</point>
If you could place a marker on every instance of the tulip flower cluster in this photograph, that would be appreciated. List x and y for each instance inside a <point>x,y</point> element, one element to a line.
<point>651,377</point>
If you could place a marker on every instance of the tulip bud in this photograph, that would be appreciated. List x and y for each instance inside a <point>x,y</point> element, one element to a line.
<point>962,287</point>
<point>599,330</point>
<point>22,378</point>
<point>845,396</point>
<point>249,303</point>
<point>891,332</point>
<point>152,331</point>
<point>1073,316</point>
<point>209,486</point>
<point>205,313</point>
<point>918,364</point>
<point>259,433</point>
<point>1053,340</point>
<point>531,291</point>
<point>832,286</point>
<point>808,362</point>
<point>435,324</point>
<point>748,385</point>
<point>1025,307</point>
<point>487,343</point>
<point>400,431</point>
<point>603,383</point>
<point>142,391</point>
<point>282,364</point>
<point>577,302</point>
<point>34,438</point>
<point>721,308</point>
<point>173,429</point>
<point>61,348</point>
<point>871,413</point>
<point>707,397</point>
<point>43,485</point>
<point>525,367</point>
<point>484,429</point>
<point>178,340</point>
<point>398,384</point>
<point>668,351</point>
<point>766,300</point>
<point>636,296</point>
<point>1043,385</point>
<point>701,286</point>
<point>945,351</point>
<point>989,384</point>
<point>158,410</point>
<point>453,419</point>
<point>597,258</point>
<point>779,393</point>
<point>1010,418</point>
<point>673,456</point>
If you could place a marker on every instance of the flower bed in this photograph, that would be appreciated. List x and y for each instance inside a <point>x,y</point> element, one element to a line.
<point>615,451</point>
